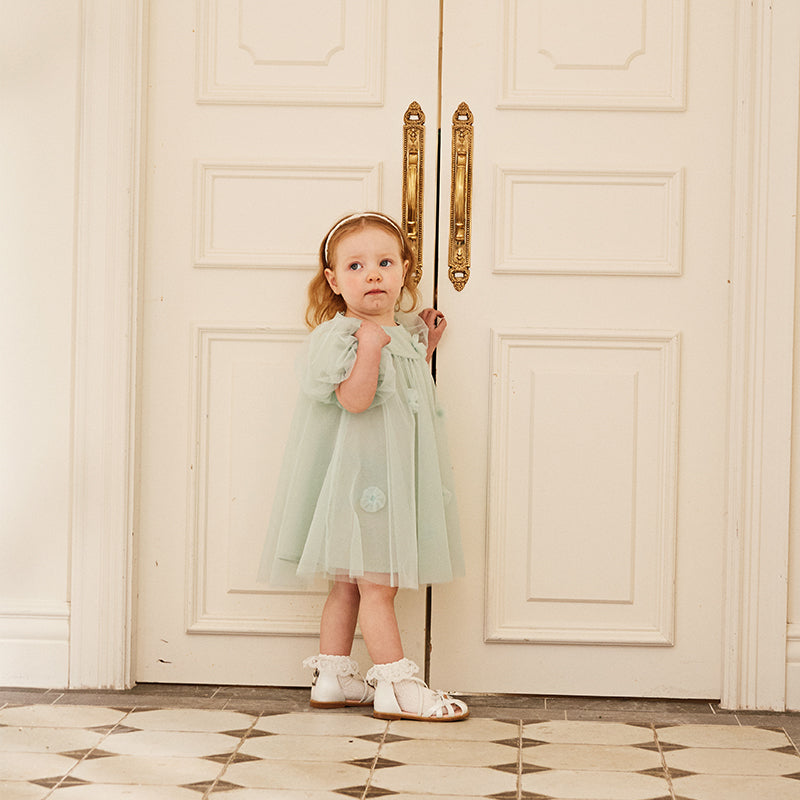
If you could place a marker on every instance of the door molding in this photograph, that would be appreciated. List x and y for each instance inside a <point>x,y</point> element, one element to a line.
<point>761,347</point>
<point>110,136</point>
<point>108,212</point>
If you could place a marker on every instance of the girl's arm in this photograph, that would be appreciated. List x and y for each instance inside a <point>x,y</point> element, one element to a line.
<point>436,324</point>
<point>357,391</point>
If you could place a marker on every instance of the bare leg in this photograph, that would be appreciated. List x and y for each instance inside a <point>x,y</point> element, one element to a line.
<point>379,623</point>
<point>338,624</point>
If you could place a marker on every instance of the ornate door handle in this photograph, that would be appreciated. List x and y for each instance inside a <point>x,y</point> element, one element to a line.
<point>460,198</point>
<point>413,179</point>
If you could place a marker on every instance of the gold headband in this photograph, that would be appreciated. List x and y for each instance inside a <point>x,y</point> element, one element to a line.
<point>361,215</point>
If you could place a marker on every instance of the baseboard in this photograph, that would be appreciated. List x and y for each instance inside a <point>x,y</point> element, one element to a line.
<point>34,645</point>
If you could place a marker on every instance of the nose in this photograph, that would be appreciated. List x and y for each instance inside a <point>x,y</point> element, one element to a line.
<point>374,274</point>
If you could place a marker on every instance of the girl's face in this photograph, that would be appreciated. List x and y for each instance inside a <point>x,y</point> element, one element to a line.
<point>368,272</point>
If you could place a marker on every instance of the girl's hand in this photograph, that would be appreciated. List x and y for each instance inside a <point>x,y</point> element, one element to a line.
<point>371,334</point>
<point>436,323</point>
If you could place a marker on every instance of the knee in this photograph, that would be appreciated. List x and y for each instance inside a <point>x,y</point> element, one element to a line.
<point>377,593</point>
<point>345,591</point>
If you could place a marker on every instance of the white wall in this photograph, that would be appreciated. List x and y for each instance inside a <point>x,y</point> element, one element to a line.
<point>39,67</point>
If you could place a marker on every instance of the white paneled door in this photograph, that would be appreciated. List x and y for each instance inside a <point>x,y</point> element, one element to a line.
<point>266,122</point>
<point>584,367</point>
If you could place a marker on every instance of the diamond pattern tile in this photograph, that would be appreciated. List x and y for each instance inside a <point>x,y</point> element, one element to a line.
<point>57,751</point>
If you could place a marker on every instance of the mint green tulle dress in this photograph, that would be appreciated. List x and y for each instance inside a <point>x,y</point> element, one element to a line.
<point>366,495</point>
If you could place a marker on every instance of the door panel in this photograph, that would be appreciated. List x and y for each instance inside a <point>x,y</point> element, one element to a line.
<point>583,369</point>
<point>261,132</point>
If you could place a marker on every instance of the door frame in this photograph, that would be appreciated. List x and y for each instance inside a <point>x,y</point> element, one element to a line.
<point>110,208</point>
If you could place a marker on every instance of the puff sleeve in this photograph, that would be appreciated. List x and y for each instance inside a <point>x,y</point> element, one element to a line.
<point>329,358</point>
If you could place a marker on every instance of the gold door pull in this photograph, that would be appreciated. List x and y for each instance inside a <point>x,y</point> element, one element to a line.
<point>413,179</point>
<point>460,198</point>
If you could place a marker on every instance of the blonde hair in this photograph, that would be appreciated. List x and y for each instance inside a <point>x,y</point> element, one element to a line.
<point>323,302</point>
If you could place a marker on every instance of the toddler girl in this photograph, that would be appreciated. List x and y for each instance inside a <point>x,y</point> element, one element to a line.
<point>365,494</point>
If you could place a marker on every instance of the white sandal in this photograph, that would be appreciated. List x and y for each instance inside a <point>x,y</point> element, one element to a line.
<point>337,682</point>
<point>395,684</point>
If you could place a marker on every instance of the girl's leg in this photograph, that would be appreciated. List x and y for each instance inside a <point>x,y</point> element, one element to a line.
<point>337,681</point>
<point>398,694</point>
<point>379,623</point>
<point>338,624</point>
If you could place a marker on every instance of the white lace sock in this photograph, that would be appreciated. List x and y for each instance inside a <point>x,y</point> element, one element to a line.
<point>413,695</point>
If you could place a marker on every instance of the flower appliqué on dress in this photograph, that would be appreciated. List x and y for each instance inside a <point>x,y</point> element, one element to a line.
<point>372,499</point>
<point>412,398</point>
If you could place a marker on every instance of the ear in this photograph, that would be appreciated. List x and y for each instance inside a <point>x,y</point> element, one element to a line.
<point>405,267</point>
<point>330,276</point>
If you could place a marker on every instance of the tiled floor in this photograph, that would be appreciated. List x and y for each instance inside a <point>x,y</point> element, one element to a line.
<point>196,742</point>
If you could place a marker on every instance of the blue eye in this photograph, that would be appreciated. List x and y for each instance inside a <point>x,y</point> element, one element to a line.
<point>386,262</point>
<point>354,266</point>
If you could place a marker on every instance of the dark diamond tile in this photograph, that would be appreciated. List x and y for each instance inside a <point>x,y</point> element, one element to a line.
<point>50,783</point>
<point>679,773</point>
<point>372,763</point>
<point>512,768</point>
<point>526,769</point>
<point>655,772</point>
<point>224,758</point>
<point>89,754</point>
<point>251,733</point>
<point>225,786</point>
<point>367,763</point>
<point>352,791</point>
<point>666,747</point>
<point>508,742</point>
<point>118,728</point>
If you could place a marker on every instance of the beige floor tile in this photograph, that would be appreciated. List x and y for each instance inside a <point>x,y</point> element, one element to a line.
<point>33,766</point>
<point>433,781</point>
<point>407,796</point>
<point>592,757</point>
<point>100,791</point>
<point>586,732</point>
<point>309,748</point>
<point>299,775</point>
<point>189,719</point>
<point>472,730</point>
<point>170,743</point>
<point>16,790</point>
<point>449,753</point>
<point>14,739</point>
<point>278,794</point>
<point>723,736</point>
<point>727,787</point>
<point>60,716</point>
<point>716,761</point>
<point>157,771</point>
<point>574,785</point>
<point>321,724</point>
